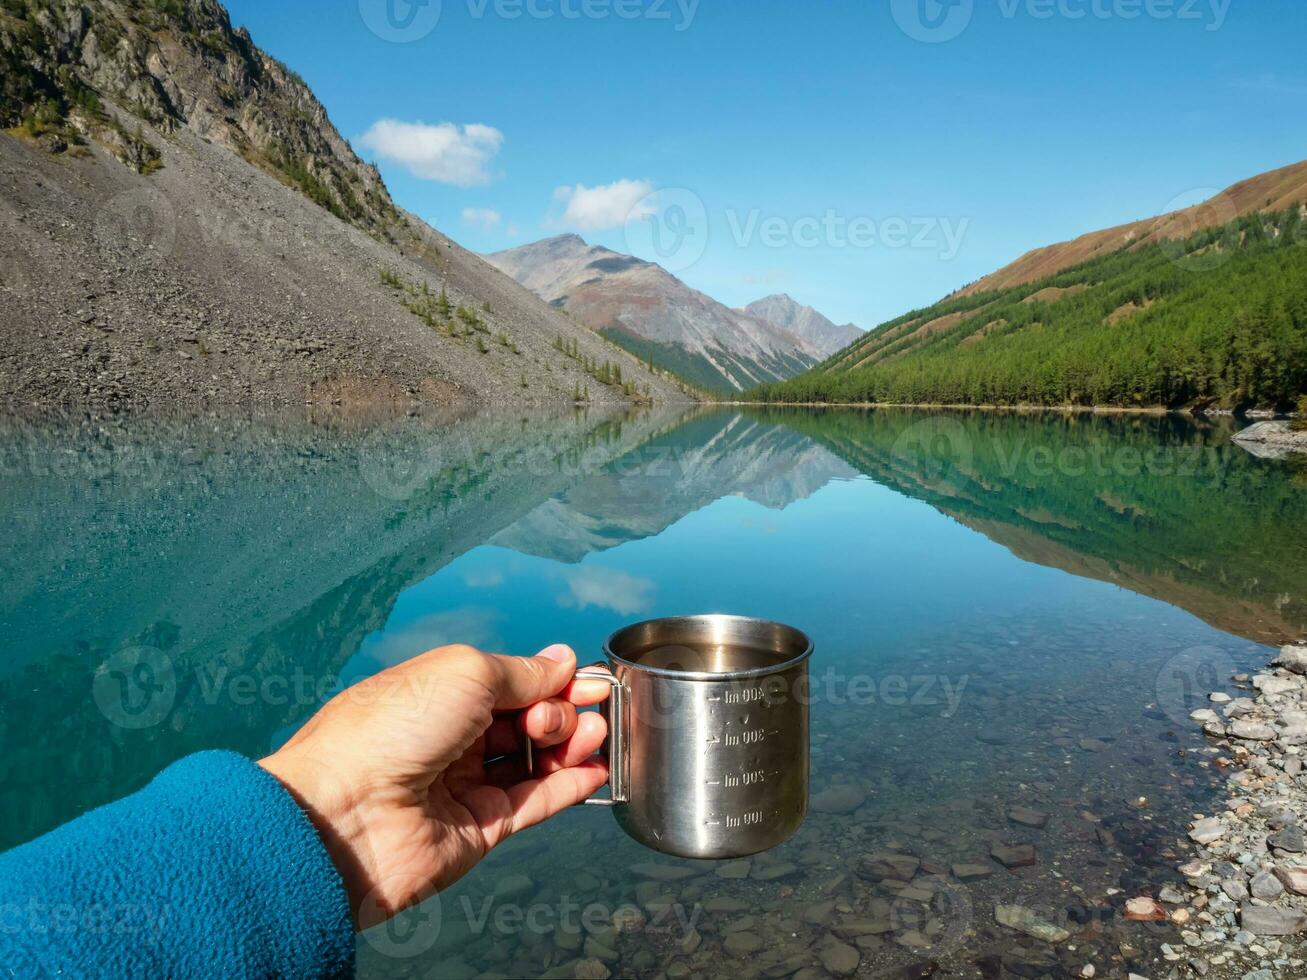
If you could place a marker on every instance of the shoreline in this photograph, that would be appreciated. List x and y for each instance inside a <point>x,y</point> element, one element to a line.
<point>1244,912</point>
<point>1154,410</point>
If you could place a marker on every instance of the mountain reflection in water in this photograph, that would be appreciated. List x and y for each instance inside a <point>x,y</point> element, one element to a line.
<point>176,586</point>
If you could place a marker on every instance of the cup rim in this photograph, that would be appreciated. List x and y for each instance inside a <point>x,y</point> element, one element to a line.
<point>708,675</point>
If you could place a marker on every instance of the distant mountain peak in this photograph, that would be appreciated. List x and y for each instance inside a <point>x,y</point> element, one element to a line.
<point>645,308</point>
<point>783,312</point>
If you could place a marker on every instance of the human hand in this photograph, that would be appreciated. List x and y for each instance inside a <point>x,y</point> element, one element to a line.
<point>393,772</point>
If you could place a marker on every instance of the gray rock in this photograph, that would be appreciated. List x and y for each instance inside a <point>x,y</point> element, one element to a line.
<point>1271,685</point>
<point>1289,839</point>
<point>1293,658</point>
<point>1252,731</point>
<point>1294,879</point>
<point>1266,886</point>
<point>1235,888</point>
<point>969,871</point>
<point>1265,920</point>
<point>1207,830</point>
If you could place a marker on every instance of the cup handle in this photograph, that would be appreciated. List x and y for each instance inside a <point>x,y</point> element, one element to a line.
<point>617,735</point>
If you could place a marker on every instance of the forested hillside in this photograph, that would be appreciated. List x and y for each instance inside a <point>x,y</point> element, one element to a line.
<point>1218,318</point>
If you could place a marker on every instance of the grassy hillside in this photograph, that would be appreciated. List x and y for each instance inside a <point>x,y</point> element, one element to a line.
<point>1218,318</point>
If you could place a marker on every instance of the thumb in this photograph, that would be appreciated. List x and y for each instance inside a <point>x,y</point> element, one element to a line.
<point>522,681</point>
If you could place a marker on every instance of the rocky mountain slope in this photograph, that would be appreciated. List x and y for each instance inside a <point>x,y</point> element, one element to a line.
<point>649,311</point>
<point>1213,318</point>
<point>784,313</point>
<point>1265,193</point>
<point>180,222</point>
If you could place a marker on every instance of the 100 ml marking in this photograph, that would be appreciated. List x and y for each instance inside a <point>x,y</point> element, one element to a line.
<point>745,819</point>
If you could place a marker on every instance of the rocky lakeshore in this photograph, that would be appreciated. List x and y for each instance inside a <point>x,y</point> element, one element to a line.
<point>1272,439</point>
<point>1244,912</point>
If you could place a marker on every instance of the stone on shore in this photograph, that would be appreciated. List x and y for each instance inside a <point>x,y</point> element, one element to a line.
<point>1252,731</point>
<point>1293,658</point>
<point>1293,879</point>
<point>1271,685</point>
<point>1207,830</point>
<point>1027,923</point>
<point>1266,920</point>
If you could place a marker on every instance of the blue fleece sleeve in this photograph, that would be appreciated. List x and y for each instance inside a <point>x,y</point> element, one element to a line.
<point>212,870</point>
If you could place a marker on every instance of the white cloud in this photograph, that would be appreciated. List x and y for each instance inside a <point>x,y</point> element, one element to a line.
<point>607,588</point>
<point>606,206</point>
<point>485,218</point>
<point>448,153</point>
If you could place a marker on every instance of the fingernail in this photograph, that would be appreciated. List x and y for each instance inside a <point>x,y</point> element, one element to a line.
<point>554,720</point>
<point>559,653</point>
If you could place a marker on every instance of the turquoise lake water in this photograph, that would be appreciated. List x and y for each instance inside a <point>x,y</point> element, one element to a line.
<point>1009,612</point>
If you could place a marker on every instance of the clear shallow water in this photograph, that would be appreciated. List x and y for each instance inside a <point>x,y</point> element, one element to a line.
<point>1009,611</point>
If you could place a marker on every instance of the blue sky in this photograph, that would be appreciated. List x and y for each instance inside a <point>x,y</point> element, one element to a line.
<point>837,150</point>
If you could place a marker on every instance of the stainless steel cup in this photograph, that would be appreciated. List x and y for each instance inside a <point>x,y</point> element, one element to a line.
<point>708,733</point>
